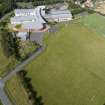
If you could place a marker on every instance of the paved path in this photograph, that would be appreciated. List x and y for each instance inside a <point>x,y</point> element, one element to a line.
<point>3,96</point>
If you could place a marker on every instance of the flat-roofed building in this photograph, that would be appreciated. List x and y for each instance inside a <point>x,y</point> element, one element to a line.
<point>29,18</point>
<point>22,19</point>
<point>59,15</point>
<point>29,12</point>
<point>24,12</point>
<point>32,26</point>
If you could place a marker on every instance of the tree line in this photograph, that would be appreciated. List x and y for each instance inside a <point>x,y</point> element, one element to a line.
<point>9,42</point>
<point>6,6</point>
<point>32,93</point>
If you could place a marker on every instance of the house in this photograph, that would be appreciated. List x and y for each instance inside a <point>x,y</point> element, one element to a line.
<point>29,12</point>
<point>32,26</point>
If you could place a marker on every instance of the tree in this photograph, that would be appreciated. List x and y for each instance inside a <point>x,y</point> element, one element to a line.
<point>6,6</point>
<point>9,44</point>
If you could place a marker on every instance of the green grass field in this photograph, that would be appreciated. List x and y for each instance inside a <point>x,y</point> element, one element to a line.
<point>72,69</point>
<point>95,22</point>
<point>16,92</point>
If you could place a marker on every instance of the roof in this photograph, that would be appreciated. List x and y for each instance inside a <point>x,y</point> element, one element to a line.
<point>56,12</point>
<point>32,25</point>
<point>23,18</point>
<point>38,11</point>
<point>59,16</point>
<point>18,11</point>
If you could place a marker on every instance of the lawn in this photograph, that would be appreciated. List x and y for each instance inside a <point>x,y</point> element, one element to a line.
<point>95,22</point>
<point>72,69</point>
<point>16,92</point>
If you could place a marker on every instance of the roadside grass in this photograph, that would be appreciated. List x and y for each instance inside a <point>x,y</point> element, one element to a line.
<point>95,22</point>
<point>72,69</point>
<point>16,91</point>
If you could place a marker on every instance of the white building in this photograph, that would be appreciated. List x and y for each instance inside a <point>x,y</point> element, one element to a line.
<point>59,15</point>
<point>24,12</point>
<point>32,25</point>
<point>34,19</point>
<point>22,19</point>
<point>29,18</point>
<point>29,12</point>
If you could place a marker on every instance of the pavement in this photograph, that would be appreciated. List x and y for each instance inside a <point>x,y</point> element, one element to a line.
<point>37,37</point>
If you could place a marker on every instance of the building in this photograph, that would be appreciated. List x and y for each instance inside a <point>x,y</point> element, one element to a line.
<point>32,25</point>
<point>30,19</point>
<point>29,12</point>
<point>22,19</point>
<point>26,20</point>
<point>59,15</point>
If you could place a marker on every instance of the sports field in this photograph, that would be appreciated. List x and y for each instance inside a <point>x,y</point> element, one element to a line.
<point>95,22</point>
<point>72,69</point>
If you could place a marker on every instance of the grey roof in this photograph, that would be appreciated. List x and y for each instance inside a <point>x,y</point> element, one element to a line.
<point>37,11</point>
<point>56,12</point>
<point>32,25</point>
<point>18,11</point>
<point>23,18</point>
<point>59,16</point>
